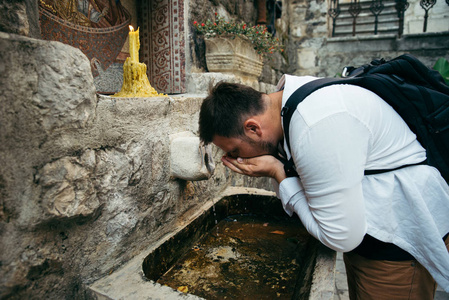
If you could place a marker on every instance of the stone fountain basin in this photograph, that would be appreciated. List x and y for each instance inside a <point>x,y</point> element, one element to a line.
<point>312,275</point>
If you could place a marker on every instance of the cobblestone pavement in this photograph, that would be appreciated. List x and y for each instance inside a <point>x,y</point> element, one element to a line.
<point>341,286</point>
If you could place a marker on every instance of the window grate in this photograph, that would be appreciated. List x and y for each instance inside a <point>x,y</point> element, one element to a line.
<point>364,17</point>
<point>358,17</point>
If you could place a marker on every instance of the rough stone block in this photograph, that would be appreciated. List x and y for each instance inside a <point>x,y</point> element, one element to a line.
<point>306,58</point>
<point>67,189</point>
<point>35,72</point>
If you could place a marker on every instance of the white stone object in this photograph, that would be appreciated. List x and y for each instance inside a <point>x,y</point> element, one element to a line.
<point>190,160</point>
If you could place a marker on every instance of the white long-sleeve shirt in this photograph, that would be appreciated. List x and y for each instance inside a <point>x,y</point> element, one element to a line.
<point>335,134</point>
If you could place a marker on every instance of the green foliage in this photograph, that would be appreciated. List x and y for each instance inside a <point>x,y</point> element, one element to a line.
<point>442,66</point>
<point>263,41</point>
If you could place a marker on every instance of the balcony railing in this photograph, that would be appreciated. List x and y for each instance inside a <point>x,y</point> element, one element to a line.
<point>372,17</point>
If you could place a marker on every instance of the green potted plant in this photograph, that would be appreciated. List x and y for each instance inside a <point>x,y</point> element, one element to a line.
<point>442,66</point>
<point>236,48</point>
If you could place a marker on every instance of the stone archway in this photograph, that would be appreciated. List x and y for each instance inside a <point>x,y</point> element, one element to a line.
<point>162,43</point>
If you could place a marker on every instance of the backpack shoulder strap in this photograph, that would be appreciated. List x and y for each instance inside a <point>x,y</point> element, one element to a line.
<point>299,95</point>
<point>290,106</point>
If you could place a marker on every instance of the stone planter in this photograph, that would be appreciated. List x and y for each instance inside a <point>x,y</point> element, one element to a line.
<point>232,55</point>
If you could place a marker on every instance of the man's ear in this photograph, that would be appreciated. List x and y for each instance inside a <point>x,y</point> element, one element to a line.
<point>252,127</point>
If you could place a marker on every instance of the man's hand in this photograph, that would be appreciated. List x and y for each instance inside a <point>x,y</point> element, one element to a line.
<point>260,166</point>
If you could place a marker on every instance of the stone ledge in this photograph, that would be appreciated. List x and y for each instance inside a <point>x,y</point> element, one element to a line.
<point>361,38</point>
<point>408,42</point>
<point>129,282</point>
<point>323,281</point>
<point>200,83</point>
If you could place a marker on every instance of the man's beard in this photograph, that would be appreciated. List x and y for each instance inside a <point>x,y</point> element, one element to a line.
<point>265,146</point>
<point>269,147</point>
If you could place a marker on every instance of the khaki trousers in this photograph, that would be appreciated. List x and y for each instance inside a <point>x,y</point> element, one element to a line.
<point>388,280</point>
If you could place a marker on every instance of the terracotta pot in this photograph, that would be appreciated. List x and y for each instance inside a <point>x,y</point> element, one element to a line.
<point>232,54</point>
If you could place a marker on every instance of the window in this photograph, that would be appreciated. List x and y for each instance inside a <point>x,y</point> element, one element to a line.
<point>355,17</point>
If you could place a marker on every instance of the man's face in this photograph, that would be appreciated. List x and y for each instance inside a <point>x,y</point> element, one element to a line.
<point>244,146</point>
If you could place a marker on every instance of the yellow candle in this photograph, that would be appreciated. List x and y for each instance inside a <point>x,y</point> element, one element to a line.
<point>135,79</point>
<point>134,44</point>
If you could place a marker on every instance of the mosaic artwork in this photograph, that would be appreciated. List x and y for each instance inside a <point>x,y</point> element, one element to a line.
<point>162,44</point>
<point>99,28</point>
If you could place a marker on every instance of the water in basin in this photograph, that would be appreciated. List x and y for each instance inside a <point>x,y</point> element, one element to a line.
<point>255,251</point>
<point>244,257</point>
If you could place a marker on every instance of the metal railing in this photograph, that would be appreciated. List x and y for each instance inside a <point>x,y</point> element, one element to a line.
<point>364,17</point>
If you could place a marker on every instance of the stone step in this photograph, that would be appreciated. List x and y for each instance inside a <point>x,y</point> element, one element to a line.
<point>368,26</point>
<point>367,21</point>
<point>363,17</point>
<point>365,32</point>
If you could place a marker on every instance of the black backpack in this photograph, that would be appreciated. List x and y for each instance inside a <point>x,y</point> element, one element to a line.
<point>417,93</point>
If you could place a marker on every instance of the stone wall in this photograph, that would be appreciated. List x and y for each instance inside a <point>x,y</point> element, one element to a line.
<point>305,28</point>
<point>110,80</point>
<point>20,17</point>
<point>235,10</point>
<point>85,180</point>
<point>438,19</point>
<point>202,10</point>
<point>311,50</point>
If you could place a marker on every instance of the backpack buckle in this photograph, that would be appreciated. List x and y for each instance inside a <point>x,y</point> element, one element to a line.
<point>284,111</point>
<point>289,169</point>
<point>346,71</point>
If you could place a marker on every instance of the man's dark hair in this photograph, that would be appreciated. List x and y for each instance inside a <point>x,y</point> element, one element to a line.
<point>226,108</point>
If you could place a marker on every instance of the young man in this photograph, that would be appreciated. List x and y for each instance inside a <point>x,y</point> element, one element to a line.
<point>391,226</point>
